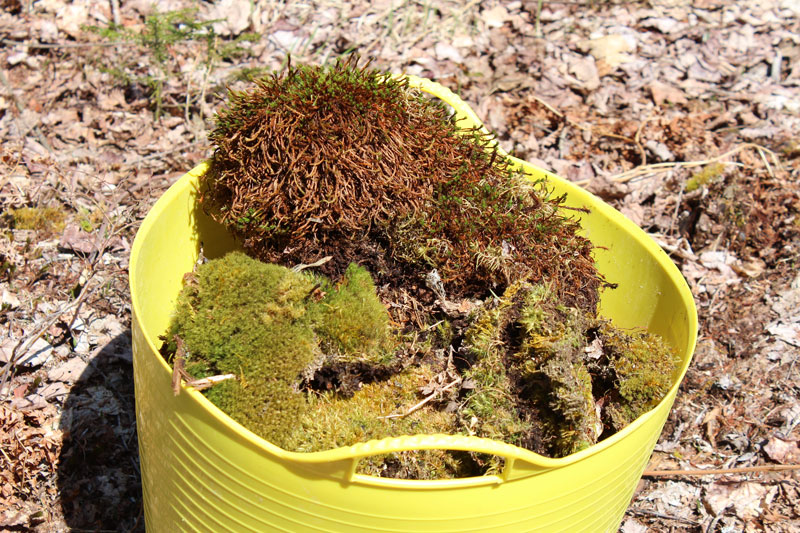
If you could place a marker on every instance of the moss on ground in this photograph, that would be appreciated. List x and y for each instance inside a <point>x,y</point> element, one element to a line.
<point>46,219</point>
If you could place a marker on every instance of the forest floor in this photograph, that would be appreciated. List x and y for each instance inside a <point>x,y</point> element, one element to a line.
<point>683,115</point>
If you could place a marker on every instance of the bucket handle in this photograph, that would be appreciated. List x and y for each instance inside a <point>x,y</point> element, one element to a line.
<point>342,463</point>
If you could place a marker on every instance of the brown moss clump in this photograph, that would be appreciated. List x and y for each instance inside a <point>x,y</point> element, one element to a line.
<point>353,163</point>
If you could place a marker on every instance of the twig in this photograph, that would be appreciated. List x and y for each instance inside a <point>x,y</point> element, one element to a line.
<point>301,266</point>
<point>205,383</point>
<point>55,46</point>
<point>25,344</point>
<point>550,108</point>
<point>424,401</point>
<point>719,471</point>
<point>115,12</point>
<point>663,167</point>
<point>178,365</point>
<point>645,512</point>
<point>179,372</point>
<point>637,139</point>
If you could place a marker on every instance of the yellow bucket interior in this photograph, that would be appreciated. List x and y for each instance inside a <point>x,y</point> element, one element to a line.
<point>201,471</point>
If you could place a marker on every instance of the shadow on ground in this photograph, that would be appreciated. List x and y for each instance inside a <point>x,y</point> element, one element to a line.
<point>98,469</point>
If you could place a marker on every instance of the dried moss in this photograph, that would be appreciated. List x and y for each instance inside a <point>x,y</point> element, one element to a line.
<point>353,163</point>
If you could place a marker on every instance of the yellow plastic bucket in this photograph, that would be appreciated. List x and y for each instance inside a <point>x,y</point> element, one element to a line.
<point>201,471</point>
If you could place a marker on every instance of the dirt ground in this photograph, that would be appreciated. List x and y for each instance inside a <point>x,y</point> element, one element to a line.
<point>683,115</point>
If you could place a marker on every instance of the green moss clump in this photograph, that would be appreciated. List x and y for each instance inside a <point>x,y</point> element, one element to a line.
<point>352,321</point>
<point>262,323</point>
<point>555,378</point>
<point>710,174</point>
<point>490,406</point>
<point>47,219</point>
<point>643,367</point>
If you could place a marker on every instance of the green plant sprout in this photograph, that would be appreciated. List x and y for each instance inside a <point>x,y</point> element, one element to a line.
<point>161,32</point>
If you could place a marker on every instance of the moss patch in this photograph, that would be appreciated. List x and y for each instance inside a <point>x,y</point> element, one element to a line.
<point>317,367</point>
<point>710,174</point>
<point>47,219</point>
<point>267,325</point>
<point>353,163</point>
<point>554,378</point>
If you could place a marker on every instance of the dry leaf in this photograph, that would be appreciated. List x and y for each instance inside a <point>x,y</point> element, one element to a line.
<point>788,333</point>
<point>495,17</point>
<point>71,18</point>
<point>446,52</point>
<point>745,498</point>
<point>613,190</point>
<point>612,50</point>
<point>585,70</point>
<point>782,451</point>
<point>661,92</point>
<point>632,526</point>
<point>663,24</point>
<point>69,371</point>
<point>38,354</point>
<point>234,15</point>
